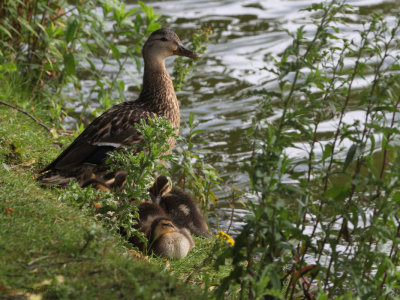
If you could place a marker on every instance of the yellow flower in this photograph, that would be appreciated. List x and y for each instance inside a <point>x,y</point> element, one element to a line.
<point>225,237</point>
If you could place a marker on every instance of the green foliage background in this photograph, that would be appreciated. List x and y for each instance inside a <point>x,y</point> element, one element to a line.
<point>327,225</point>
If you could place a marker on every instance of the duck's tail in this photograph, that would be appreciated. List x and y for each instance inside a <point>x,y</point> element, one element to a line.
<point>55,177</point>
<point>83,176</point>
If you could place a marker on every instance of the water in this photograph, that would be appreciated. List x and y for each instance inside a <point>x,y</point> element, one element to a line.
<point>244,34</point>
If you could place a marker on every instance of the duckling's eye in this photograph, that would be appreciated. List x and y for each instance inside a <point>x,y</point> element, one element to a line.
<point>167,225</point>
<point>164,39</point>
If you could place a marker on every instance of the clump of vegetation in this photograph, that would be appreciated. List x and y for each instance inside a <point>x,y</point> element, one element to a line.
<point>191,172</point>
<point>54,46</point>
<point>143,161</point>
<point>325,223</point>
<point>118,209</point>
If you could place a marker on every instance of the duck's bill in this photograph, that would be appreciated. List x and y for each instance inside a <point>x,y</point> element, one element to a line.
<point>182,51</point>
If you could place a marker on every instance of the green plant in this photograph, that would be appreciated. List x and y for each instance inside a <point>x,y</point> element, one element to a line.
<point>119,209</point>
<point>182,66</point>
<point>57,45</point>
<point>326,219</point>
<point>191,172</point>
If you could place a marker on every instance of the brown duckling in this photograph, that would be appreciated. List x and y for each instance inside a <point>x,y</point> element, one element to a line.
<point>167,240</point>
<point>164,237</point>
<point>97,184</point>
<point>115,128</point>
<point>117,182</point>
<point>179,206</point>
<point>148,212</point>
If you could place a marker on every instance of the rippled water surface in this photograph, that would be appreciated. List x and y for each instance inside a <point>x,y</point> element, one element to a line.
<point>245,33</point>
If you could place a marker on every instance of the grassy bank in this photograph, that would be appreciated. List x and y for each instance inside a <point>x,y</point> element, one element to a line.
<point>51,249</point>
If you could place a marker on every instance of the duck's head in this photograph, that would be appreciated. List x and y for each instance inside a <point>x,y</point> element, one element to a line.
<point>163,43</point>
<point>160,227</point>
<point>160,188</point>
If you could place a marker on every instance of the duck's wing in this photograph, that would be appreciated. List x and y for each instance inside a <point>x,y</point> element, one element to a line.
<point>113,129</point>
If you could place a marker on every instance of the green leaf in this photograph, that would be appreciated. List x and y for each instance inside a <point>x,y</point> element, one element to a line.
<point>117,16</point>
<point>106,9</point>
<point>131,12</point>
<point>143,6</point>
<point>121,85</point>
<point>327,151</point>
<point>4,29</point>
<point>338,192</point>
<point>71,30</point>
<point>91,64</point>
<point>191,119</point>
<point>139,22</point>
<point>115,53</point>
<point>353,153</point>
<point>153,26</point>
<point>27,26</point>
<point>69,63</point>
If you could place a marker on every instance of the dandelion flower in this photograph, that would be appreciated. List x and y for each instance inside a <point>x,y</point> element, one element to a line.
<point>225,237</point>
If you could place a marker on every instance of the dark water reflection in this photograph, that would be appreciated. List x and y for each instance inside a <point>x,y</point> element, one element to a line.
<point>244,34</point>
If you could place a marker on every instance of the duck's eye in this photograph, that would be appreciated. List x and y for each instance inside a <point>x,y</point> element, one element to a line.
<point>167,225</point>
<point>164,39</point>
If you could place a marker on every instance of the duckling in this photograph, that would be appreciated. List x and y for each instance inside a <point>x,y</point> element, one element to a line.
<point>117,182</point>
<point>148,212</point>
<point>97,184</point>
<point>115,128</point>
<point>179,206</point>
<point>167,240</point>
<point>164,237</point>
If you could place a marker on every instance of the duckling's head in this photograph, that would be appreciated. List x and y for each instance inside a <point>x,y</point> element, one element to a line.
<point>161,226</point>
<point>163,43</point>
<point>120,179</point>
<point>160,188</point>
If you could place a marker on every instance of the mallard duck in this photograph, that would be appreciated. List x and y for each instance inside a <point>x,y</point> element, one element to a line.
<point>147,213</point>
<point>179,206</point>
<point>169,241</point>
<point>118,181</point>
<point>115,128</point>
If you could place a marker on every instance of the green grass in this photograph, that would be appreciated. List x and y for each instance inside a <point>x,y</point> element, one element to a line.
<point>197,268</point>
<point>53,249</point>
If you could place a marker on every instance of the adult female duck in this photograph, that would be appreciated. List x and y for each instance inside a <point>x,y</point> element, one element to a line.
<point>115,128</point>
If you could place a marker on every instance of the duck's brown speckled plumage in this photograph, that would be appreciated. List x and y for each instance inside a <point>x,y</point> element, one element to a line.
<point>179,206</point>
<point>115,128</point>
